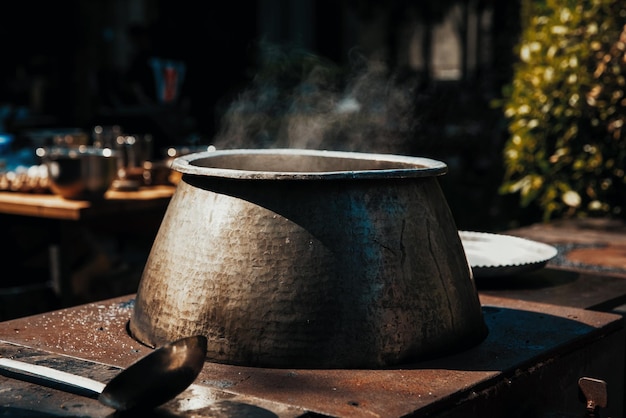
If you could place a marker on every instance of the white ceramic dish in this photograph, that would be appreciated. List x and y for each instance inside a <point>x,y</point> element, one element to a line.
<point>492,255</point>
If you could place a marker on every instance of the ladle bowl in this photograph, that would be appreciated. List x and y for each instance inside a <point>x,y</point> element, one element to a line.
<point>149,382</point>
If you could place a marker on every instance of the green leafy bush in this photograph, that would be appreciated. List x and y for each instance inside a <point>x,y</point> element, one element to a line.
<point>566,108</point>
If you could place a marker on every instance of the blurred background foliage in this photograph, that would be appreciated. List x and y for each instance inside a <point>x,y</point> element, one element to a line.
<point>565,154</point>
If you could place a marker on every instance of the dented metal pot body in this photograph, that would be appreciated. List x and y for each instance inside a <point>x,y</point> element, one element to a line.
<point>306,258</point>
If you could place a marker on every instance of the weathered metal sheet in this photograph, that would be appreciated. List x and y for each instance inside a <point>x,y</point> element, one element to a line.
<point>533,357</point>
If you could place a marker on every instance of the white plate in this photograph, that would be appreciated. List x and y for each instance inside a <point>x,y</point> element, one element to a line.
<point>492,255</point>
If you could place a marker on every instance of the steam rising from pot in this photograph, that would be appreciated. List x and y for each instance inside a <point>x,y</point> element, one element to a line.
<point>299,100</point>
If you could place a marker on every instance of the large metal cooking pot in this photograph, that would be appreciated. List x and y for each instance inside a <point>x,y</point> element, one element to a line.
<point>306,258</point>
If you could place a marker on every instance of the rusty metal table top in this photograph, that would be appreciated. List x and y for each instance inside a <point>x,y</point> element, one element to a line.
<point>589,271</point>
<point>92,340</point>
<point>533,320</point>
<point>596,245</point>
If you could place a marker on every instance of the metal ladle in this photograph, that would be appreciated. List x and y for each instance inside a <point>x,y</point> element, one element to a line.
<point>149,382</point>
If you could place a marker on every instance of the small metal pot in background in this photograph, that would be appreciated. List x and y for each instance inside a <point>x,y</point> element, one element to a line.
<point>305,258</point>
<point>82,172</point>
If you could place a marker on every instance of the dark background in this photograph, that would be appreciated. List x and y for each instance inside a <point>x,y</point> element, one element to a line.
<point>68,63</point>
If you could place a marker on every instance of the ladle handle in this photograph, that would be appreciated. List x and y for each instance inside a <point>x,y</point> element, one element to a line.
<point>52,375</point>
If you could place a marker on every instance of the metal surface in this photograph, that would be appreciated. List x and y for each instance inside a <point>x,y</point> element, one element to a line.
<point>595,245</point>
<point>529,365</point>
<point>595,393</point>
<point>19,398</point>
<point>158,377</point>
<point>524,368</point>
<point>305,164</point>
<point>588,272</point>
<point>151,381</point>
<point>83,173</point>
<point>560,287</point>
<point>303,258</point>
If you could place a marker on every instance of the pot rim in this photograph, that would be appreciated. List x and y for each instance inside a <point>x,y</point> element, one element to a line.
<point>408,166</point>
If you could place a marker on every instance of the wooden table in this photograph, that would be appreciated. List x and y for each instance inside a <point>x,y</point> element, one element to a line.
<point>63,219</point>
<point>55,207</point>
